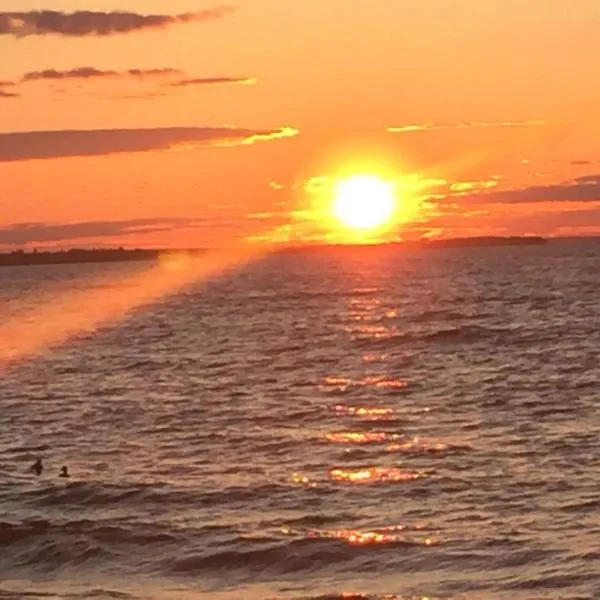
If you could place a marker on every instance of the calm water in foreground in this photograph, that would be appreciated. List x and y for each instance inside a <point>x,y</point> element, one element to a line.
<point>377,422</point>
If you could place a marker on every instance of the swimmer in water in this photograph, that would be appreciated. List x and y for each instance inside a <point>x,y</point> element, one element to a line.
<point>37,467</point>
<point>64,472</point>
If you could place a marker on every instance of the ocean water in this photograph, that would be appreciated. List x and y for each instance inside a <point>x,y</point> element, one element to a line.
<point>371,423</point>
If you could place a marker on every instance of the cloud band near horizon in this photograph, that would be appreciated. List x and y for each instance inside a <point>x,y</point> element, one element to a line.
<point>93,73</point>
<point>580,189</point>
<point>31,145</point>
<point>97,23</point>
<point>27,233</point>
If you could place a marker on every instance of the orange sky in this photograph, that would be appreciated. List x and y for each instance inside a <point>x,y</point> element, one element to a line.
<point>441,97</point>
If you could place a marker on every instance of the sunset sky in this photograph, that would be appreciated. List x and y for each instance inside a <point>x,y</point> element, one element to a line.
<point>191,124</point>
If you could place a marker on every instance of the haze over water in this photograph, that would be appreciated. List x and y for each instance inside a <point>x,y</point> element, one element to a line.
<point>376,421</point>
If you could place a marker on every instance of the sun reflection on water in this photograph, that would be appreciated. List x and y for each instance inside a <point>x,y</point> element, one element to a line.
<point>343,384</point>
<point>374,357</point>
<point>367,413</point>
<point>360,437</point>
<point>418,446</point>
<point>399,534</point>
<point>300,479</point>
<point>359,596</point>
<point>373,475</point>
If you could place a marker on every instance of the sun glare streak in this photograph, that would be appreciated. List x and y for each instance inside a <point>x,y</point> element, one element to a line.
<point>58,318</point>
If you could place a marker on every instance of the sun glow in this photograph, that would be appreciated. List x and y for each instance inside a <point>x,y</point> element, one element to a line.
<point>364,202</point>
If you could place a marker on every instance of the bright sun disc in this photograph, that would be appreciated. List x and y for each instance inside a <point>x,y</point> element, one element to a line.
<point>364,202</point>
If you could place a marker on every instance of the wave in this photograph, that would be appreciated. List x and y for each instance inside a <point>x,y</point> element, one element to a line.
<point>94,593</point>
<point>116,500</point>
<point>307,554</point>
<point>141,534</point>
<point>464,334</point>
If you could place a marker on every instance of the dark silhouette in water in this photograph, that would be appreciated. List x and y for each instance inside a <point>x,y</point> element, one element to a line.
<point>64,472</point>
<point>37,467</point>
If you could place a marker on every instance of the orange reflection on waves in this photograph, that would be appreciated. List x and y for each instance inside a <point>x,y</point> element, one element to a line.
<point>378,381</point>
<point>373,475</point>
<point>359,538</point>
<point>384,382</point>
<point>368,413</point>
<point>380,535</point>
<point>340,383</point>
<point>362,538</point>
<point>373,357</point>
<point>359,437</point>
<point>300,479</point>
<point>59,317</point>
<point>377,332</point>
<point>418,446</point>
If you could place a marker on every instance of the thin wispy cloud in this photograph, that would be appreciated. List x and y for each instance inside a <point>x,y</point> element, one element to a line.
<point>214,81</point>
<point>93,73</point>
<point>140,96</point>
<point>30,145</point>
<point>97,23</point>
<point>461,187</point>
<point>4,93</point>
<point>418,127</point>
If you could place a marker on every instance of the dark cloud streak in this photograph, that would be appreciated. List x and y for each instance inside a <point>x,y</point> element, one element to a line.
<point>96,23</point>
<point>21,234</point>
<point>27,233</point>
<point>30,145</point>
<point>93,73</point>
<point>581,189</point>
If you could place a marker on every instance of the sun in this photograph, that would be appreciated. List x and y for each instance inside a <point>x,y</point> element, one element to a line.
<point>364,202</point>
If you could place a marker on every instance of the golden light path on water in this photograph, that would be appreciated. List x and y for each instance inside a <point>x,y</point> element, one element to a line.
<point>57,318</point>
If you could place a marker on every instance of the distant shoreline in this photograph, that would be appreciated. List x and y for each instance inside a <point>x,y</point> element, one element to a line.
<point>20,258</point>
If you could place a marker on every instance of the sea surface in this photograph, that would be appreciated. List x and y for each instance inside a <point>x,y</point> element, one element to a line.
<point>356,423</point>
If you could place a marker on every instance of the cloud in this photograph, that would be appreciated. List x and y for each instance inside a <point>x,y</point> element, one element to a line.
<point>469,186</point>
<point>28,145</point>
<point>419,127</point>
<point>5,94</point>
<point>82,23</point>
<point>581,189</point>
<point>93,73</point>
<point>588,179</point>
<point>36,233</point>
<point>95,233</point>
<point>214,81</point>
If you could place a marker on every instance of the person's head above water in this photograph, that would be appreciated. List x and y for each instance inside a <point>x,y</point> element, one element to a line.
<point>37,466</point>
<point>64,472</point>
